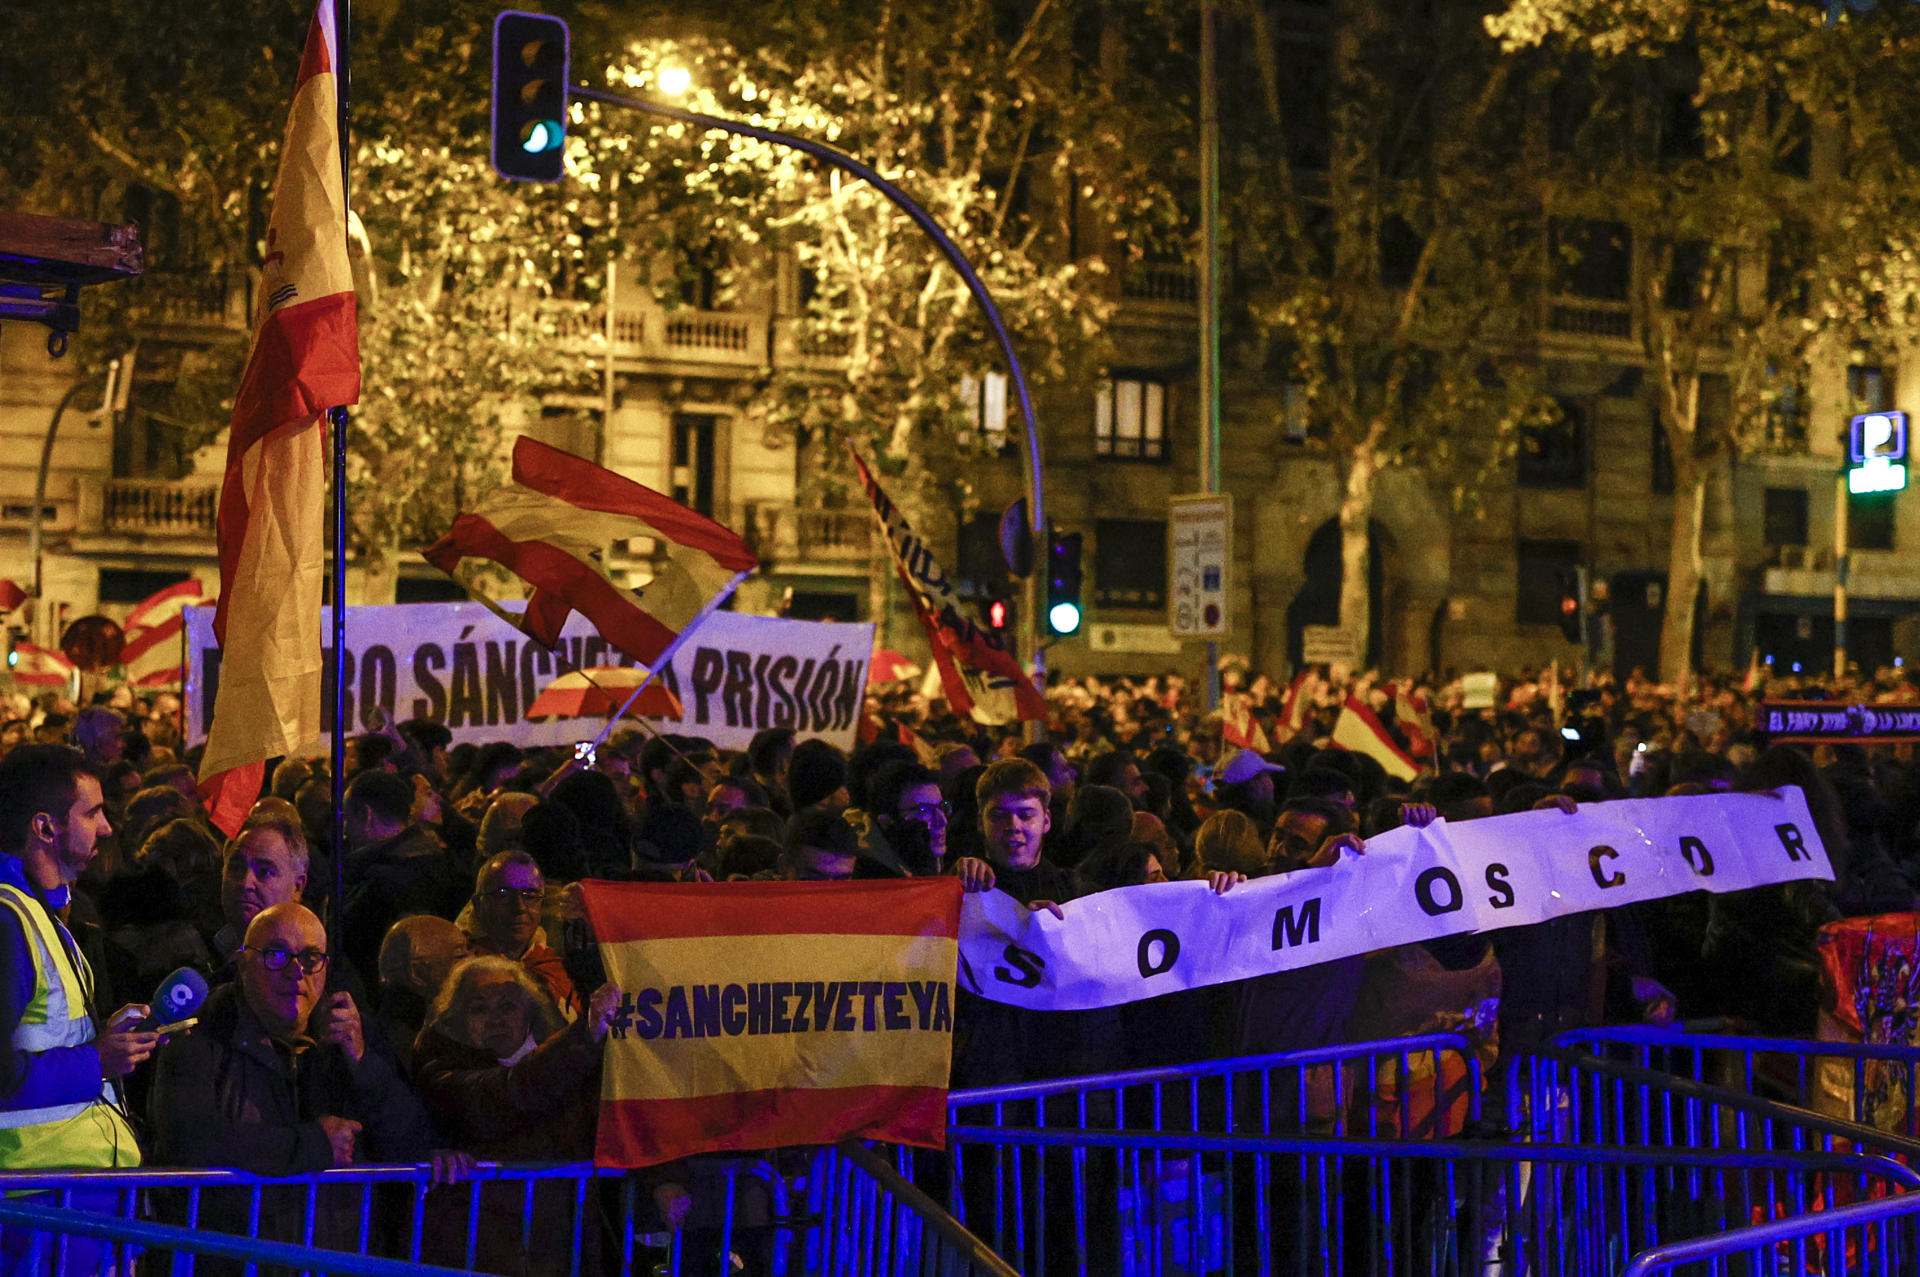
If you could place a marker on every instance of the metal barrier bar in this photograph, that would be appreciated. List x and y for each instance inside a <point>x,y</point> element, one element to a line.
<point>1561,1094</point>
<point>1427,1086</point>
<point>1158,1203</point>
<point>1876,1082</point>
<point>1853,1239</point>
<point>65,1223</point>
<point>503,1214</point>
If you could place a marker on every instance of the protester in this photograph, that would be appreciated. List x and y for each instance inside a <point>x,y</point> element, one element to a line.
<point>507,896</point>
<point>276,1082</point>
<point>415,960</point>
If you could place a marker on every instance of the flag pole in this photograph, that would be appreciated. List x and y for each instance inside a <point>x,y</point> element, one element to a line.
<point>562,666</point>
<point>666,657</point>
<point>343,34</point>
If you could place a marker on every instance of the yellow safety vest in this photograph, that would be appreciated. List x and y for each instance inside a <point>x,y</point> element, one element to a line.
<point>90,1134</point>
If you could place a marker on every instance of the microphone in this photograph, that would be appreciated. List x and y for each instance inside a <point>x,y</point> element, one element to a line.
<point>179,996</point>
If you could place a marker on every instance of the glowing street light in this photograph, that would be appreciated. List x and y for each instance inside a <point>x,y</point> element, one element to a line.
<point>673,81</point>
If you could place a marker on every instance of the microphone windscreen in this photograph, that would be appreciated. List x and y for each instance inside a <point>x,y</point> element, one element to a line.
<point>179,995</point>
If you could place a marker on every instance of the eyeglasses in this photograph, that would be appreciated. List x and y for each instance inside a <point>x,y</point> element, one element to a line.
<point>518,895</point>
<point>276,957</point>
<point>929,811</point>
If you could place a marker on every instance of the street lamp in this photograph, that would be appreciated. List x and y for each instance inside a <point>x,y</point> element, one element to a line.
<point>673,80</point>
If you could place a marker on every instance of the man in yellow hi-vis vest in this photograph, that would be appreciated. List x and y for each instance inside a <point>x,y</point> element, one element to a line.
<point>58,1108</point>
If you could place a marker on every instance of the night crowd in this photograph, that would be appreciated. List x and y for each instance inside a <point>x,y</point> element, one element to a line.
<point>450,1006</point>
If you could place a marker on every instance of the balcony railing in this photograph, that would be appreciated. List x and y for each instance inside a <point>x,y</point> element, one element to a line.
<point>196,299</point>
<point>795,537</point>
<point>647,333</point>
<point>1581,317</point>
<point>1160,283</point>
<point>150,507</point>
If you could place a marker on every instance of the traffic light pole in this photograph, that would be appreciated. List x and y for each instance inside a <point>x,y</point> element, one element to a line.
<point>1030,620</point>
<point>1841,500</point>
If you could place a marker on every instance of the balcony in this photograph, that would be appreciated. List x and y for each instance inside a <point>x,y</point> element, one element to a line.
<point>183,509</point>
<point>1160,283</point>
<point>793,537</point>
<point>1588,318</point>
<point>196,303</point>
<point>651,338</point>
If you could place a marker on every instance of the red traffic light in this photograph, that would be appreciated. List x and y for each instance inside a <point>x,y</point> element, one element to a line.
<point>997,614</point>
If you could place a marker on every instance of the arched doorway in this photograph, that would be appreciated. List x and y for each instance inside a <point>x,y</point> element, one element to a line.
<point>1318,602</point>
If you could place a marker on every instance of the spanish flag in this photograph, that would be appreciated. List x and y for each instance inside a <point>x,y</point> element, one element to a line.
<point>762,1014</point>
<point>305,360</point>
<point>1359,729</point>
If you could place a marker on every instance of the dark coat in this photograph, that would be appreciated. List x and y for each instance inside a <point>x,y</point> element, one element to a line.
<point>408,873</point>
<point>540,1109</point>
<point>228,1095</point>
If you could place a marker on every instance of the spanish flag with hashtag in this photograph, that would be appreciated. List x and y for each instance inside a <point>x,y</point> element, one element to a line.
<point>759,1015</point>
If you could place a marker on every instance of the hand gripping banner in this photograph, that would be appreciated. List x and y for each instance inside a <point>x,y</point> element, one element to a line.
<point>1410,885</point>
<point>762,1014</point>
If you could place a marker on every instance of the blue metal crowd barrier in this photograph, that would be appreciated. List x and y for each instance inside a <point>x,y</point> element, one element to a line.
<point>1423,1087</point>
<point>1878,1238</point>
<point>49,1232</point>
<point>1182,1204</point>
<point>1562,1095</point>
<point>1872,1083</point>
<point>557,1217</point>
<point>874,1219</point>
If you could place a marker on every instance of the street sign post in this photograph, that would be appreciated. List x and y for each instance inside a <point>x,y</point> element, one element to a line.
<point>1199,565</point>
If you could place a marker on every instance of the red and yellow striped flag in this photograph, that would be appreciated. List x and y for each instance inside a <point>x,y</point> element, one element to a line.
<point>762,1014</point>
<point>305,360</point>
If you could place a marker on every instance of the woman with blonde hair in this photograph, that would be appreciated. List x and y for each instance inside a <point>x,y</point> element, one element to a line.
<point>1229,840</point>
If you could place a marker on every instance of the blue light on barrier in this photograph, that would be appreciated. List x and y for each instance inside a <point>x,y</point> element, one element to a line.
<point>1877,475</point>
<point>1796,667</point>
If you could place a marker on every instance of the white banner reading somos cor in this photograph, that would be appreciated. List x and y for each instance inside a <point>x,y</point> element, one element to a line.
<point>462,665</point>
<point>1411,885</point>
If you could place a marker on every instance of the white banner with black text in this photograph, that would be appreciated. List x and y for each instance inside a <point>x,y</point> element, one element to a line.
<point>1409,885</point>
<point>463,666</point>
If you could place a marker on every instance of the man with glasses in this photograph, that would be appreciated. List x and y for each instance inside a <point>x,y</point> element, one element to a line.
<point>277,1080</point>
<point>505,922</point>
<point>907,806</point>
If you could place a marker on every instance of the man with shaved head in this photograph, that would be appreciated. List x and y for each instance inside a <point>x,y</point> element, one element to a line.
<point>415,958</point>
<point>277,1080</point>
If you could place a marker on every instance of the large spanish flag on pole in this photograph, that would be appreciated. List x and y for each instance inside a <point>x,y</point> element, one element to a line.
<point>761,1014</point>
<point>305,360</point>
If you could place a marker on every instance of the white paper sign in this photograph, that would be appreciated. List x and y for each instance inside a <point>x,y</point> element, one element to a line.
<point>1411,884</point>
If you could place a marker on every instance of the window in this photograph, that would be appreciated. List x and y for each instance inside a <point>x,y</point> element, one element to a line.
<point>984,399</point>
<point>1786,408</point>
<point>1870,522</point>
<point>1662,452</point>
<point>1295,422</point>
<point>1867,388</point>
<point>1555,455</point>
<point>1592,259</point>
<point>1784,516</point>
<point>1545,568</point>
<point>1685,274</point>
<point>693,465</point>
<point>1130,419</point>
<point>1130,563</point>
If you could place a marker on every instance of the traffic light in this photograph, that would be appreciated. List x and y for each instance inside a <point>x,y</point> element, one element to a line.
<point>529,96</point>
<point>999,615</point>
<point>1063,583</point>
<point>1572,627</point>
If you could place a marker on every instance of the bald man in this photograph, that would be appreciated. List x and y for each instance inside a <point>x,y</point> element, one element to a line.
<point>277,1080</point>
<point>415,958</point>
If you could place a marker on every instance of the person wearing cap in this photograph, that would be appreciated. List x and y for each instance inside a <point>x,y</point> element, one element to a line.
<point>817,777</point>
<point>821,847</point>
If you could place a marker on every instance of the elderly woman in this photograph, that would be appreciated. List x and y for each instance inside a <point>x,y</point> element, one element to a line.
<point>507,1079</point>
